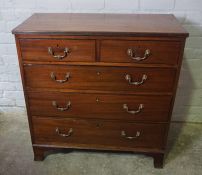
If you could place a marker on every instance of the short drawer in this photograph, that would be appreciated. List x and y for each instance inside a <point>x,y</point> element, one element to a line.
<point>65,132</point>
<point>100,78</point>
<point>156,52</point>
<point>51,50</point>
<point>100,106</point>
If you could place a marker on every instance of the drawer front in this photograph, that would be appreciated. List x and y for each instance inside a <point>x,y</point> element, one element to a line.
<point>100,78</point>
<point>118,107</point>
<point>68,131</point>
<point>157,52</point>
<point>58,50</point>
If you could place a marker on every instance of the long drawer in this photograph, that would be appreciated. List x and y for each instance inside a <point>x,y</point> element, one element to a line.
<point>158,52</point>
<point>100,78</point>
<point>118,107</point>
<point>50,50</point>
<point>64,132</point>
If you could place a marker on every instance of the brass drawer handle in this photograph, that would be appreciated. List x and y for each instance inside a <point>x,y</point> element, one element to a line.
<point>132,54</point>
<point>59,57</point>
<point>69,133</point>
<point>68,105</point>
<point>123,134</point>
<point>129,79</point>
<point>125,107</point>
<point>53,77</point>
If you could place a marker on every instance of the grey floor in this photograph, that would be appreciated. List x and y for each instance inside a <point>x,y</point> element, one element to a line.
<point>16,158</point>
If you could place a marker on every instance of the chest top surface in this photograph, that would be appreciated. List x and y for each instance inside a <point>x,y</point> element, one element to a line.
<point>102,24</point>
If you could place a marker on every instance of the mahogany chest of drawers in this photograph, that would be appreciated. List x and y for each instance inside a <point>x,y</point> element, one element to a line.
<point>100,81</point>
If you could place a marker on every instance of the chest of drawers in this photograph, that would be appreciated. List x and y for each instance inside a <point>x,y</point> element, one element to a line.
<point>100,81</point>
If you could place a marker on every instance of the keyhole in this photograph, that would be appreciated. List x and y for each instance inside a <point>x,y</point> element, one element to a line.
<point>57,46</point>
<point>98,125</point>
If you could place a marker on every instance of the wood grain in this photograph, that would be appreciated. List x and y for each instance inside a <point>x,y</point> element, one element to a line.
<point>100,78</point>
<point>100,106</point>
<point>102,24</point>
<point>161,52</point>
<point>37,50</point>
<point>98,132</point>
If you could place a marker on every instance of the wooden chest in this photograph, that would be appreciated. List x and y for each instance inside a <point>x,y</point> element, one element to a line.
<point>100,81</point>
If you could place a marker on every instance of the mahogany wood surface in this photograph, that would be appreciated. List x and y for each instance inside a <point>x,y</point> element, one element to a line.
<point>161,52</point>
<point>37,49</point>
<point>102,24</point>
<point>100,78</point>
<point>98,132</point>
<point>100,106</point>
<point>96,87</point>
